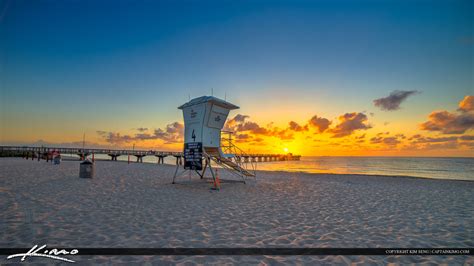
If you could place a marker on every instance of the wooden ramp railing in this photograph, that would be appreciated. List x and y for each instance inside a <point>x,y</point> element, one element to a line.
<point>226,161</point>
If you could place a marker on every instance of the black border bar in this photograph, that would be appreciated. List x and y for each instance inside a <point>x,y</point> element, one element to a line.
<point>255,251</point>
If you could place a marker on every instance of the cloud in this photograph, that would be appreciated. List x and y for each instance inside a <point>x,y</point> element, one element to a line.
<point>422,139</point>
<point>240,118</point>
<point>114,138</point>
<point>452,123</point>
<point>467,104</point>
<point>296,127</point>
<point>240,123</point>
<point>175,128</point>
<point>172,133</point>
<point>348,123</point>
<point>143,136</point>
<point>419,142</point>
<point>393,101</point>
<point>442,145</point>
<point>321,124</point>
<point>242,136</point>
<point>417,136</point>
<point>249,131</point>
<point>245,130</point>
<point>467,138</point>
<point>389,141</point>
<point>449,123</point>
<point>402,136</point>
<point>467,141</point>
<point>385,139</point>
<point>251,127</point>
<point>283,134</point>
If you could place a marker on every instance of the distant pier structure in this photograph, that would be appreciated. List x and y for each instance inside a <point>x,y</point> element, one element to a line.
<point>39,153</point>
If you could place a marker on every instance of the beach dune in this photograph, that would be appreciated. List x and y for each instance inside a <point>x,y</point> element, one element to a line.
<point>135,205</point>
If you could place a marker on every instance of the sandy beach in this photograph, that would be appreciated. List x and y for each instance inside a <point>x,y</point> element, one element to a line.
<point>135,205</point>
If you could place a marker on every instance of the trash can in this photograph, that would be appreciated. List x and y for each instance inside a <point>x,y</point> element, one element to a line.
<point>57,159</point>
<point>86,169</point>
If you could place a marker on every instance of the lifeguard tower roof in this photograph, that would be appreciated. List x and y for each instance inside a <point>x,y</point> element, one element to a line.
<point>212,99</point>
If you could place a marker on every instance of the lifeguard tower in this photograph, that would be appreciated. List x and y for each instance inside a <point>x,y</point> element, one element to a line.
<point>204,119</point>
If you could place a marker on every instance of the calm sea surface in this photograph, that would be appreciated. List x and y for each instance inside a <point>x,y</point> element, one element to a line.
<point>441,168</point>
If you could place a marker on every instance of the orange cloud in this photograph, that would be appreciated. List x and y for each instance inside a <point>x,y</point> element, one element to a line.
<point>434,139</point>
<point>296,127</point>
<point>452,123</point>
<point>114,138</point>
<point>390,141</point>
<point>252,135</point>
<point>449,123</point>
<point>419,142</point>
<point>172,133</point>
<point>321,124</point>
<point>241,123</point>
<point>348,123</point>
<point>467,104</point>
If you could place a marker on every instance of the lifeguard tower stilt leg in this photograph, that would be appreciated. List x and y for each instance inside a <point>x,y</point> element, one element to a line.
<point>200,174</point>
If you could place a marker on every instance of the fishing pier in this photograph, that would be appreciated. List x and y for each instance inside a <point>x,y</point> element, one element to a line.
<point>46,152</point>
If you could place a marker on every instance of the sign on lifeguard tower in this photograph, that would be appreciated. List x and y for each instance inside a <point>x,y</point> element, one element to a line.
<point>204,118</point>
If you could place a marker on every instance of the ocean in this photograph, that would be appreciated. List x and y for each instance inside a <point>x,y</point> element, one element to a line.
<point>440,168</point>
<point>430,167</point>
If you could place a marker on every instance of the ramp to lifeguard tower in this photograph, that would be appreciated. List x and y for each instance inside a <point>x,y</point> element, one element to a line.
<point>225,161</point>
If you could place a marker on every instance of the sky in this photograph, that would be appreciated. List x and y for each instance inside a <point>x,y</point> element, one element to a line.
<point>332,78</point>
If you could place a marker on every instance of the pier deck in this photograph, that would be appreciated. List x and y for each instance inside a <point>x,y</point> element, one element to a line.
<point>38,152</point>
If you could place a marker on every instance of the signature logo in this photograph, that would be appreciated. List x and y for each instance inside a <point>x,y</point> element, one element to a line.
<point>51,254</point>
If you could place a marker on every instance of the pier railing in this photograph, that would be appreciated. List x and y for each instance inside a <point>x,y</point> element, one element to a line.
<point>245,160</point>
<point>88,151</point>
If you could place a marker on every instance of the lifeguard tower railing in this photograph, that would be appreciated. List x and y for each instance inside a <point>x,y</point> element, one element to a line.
<point>242,159</point>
